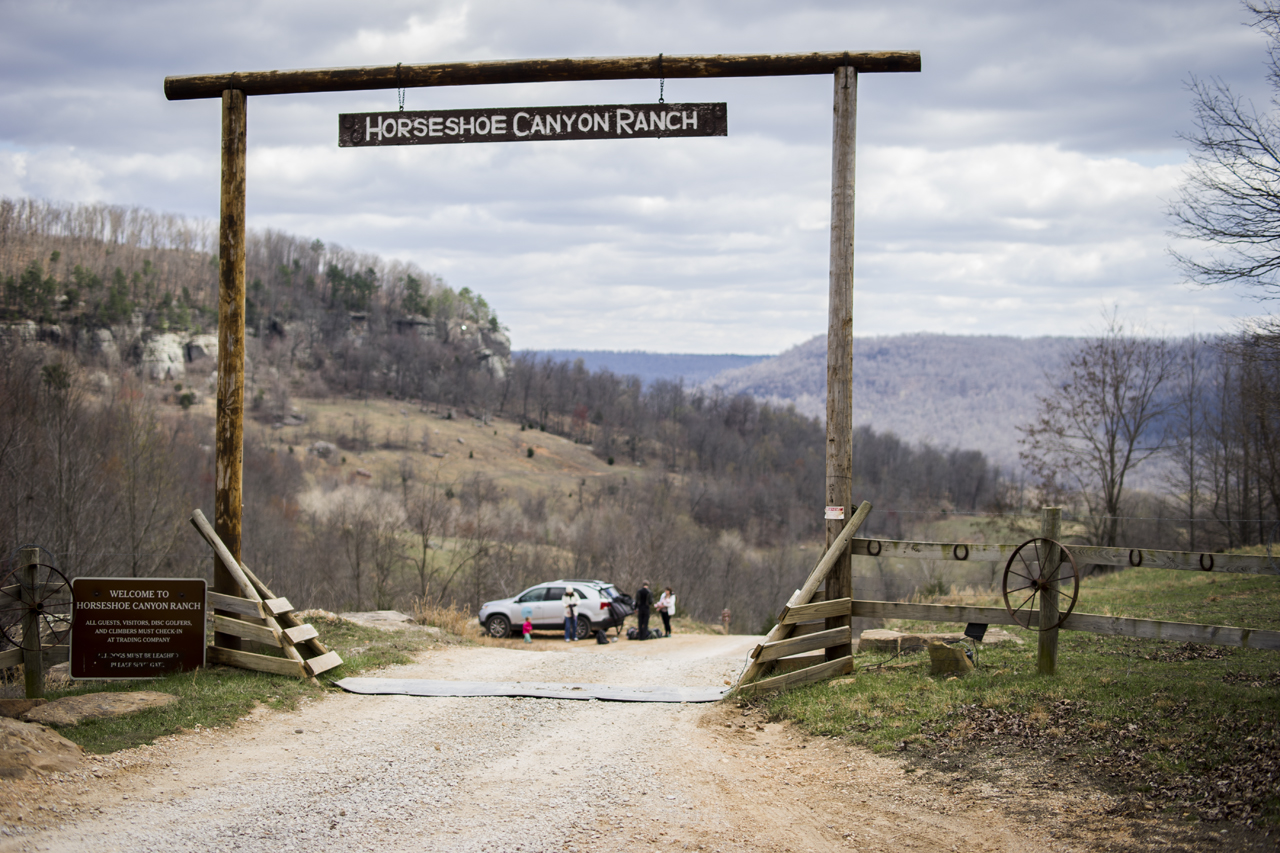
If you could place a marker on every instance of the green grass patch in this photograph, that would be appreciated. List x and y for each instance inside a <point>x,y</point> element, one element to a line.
<point>1193,728</point>
<point>216,697</point>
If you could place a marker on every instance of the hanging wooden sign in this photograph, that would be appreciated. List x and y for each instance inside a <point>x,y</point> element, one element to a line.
<point>532,124</point>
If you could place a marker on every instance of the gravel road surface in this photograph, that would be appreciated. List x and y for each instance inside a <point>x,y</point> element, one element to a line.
<point>398,773</point>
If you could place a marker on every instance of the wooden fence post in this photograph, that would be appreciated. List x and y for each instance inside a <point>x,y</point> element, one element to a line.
<point>229,429</point>
<point>840,340</point>
<point>32,661</point>
<point>1047,655</point>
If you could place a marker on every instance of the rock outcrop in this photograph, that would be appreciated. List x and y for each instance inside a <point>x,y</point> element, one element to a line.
<point>164,358</point>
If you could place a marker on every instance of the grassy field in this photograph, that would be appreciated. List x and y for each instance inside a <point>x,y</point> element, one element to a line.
<point>376,435</point>
<point>1190,730</point>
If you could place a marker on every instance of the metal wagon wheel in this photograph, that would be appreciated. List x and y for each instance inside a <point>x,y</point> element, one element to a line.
<point>1026,584</point>
<point>51,604</point>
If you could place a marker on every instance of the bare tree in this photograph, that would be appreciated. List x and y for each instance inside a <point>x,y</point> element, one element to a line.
<point>1189,423</point>
<point>428,510</point>
<point>1231,197</point>
<point>151,514</point>
<point>1101,422</point>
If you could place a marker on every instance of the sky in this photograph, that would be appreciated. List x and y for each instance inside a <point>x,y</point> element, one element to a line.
<point>1017,185</point>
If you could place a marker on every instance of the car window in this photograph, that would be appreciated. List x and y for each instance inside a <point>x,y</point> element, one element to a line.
<point>554,592</point>
<point>536,594</point>
<point>582,594</point>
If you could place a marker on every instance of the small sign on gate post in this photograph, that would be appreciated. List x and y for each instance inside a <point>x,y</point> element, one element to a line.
<point>137,627</point>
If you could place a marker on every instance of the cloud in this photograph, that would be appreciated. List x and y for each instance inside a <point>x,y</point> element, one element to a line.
<point>1015,186</point>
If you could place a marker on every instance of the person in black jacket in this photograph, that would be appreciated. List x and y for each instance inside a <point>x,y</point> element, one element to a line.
<point>644,601</point>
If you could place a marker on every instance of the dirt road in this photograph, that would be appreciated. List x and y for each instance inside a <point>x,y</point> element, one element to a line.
<point>395,773</point>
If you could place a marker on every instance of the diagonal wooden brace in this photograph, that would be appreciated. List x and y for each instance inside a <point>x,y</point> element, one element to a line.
<point>233,566</point>
<point>804,595</point>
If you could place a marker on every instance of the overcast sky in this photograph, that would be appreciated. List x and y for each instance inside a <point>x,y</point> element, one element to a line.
<point>1016,186</point>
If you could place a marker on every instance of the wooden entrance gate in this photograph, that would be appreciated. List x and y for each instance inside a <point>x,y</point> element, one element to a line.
<point>234,89</point>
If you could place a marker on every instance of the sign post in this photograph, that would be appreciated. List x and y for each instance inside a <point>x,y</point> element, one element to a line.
<point>840,340</point>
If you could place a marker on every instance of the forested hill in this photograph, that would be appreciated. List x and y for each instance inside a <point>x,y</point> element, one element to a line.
<point>693,368</point>
<point>949,391</point>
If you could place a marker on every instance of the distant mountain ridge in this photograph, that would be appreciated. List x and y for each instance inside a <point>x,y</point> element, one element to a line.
<point>693,368</point>
<point>968,392</point>
<point>952,391</point>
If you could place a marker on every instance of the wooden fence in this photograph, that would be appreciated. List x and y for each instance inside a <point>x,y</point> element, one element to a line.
<point>41,647</point>
<point>785,642</point>
<point>257,615</point>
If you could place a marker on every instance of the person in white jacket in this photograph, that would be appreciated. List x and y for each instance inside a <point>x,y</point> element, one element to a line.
<point>570,600</point>
<point>667,607</point>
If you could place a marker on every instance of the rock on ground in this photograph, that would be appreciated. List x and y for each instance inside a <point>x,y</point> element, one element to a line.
<point>71,710</point>
<point>28,749</point>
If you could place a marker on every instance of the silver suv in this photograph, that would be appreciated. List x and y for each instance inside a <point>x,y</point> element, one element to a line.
<point>602,607</point>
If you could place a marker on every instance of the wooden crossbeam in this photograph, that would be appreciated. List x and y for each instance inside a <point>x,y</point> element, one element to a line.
<point>806,643</point>
<point>247,630</point>
<point>830,669</point>
<point>258,663</point>
<point>48,589</point>
<point>235,604</point>
<point>818,610</point>
<point>49,655</point>
<point>322,663</point>
<point>301,634</point>
<point>185,87</point>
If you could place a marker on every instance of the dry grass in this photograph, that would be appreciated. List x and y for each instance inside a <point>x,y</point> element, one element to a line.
<point>452,619</point>
<point>380,434</point>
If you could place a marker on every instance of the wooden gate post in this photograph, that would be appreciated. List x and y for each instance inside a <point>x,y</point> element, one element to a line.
<point>1047,654</point>
<point>32,661</point>
<point>840,339</point>
<point>229,430</point>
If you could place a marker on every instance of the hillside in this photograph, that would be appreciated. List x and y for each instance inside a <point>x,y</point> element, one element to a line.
<point>693,368</point>
<point>950,391</point>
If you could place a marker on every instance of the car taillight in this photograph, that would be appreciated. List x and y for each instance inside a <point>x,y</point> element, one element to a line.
<point>604,605</point>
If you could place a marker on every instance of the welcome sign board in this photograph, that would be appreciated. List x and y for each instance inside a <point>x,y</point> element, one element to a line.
<point>532,124</point>
<point>136,627</point>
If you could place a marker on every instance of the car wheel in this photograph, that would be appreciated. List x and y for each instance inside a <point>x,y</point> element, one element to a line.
<point>498,626</point>
<point>584,627</point>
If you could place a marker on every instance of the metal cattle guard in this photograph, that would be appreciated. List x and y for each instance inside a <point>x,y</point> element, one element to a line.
<point>235,88</point>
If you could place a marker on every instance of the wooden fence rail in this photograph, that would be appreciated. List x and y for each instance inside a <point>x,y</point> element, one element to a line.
<point>1190,561</point>
<point>1119,626</point>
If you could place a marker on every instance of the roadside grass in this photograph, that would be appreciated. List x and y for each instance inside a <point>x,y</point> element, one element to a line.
<point>219,696</point>
<point>1190,729</point>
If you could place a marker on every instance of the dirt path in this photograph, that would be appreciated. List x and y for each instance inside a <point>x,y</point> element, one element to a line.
<point>394,773</point>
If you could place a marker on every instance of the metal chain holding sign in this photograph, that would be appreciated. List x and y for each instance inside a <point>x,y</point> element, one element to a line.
<point>399,88</point>
<point>662,82</point>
